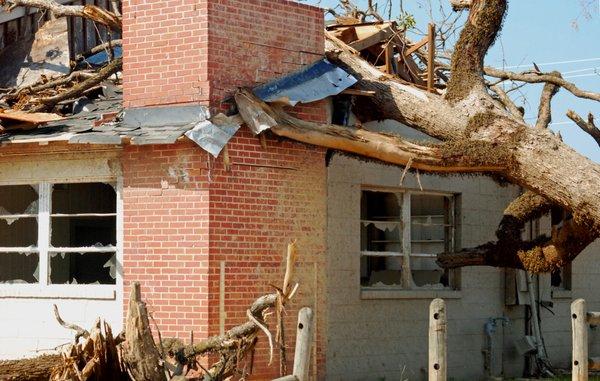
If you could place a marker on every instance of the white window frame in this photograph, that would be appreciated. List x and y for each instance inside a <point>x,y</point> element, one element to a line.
<point>45,290</point>
<point>406,254</point>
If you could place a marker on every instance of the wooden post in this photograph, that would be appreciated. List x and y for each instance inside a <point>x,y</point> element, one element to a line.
<point>437,340</point>
<point>304,337</point>
<point>580,340</point>
<point>431,58</point>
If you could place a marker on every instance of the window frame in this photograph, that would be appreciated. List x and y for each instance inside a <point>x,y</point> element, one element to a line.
<point>45,290</point>
<point>407,289</point>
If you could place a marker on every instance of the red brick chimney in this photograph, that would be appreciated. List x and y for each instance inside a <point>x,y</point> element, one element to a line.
<point>196,51</point>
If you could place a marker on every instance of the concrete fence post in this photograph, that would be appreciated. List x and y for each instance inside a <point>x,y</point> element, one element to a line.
<point>304,338</point>
<point>580,340</point>
<point>437,341</point>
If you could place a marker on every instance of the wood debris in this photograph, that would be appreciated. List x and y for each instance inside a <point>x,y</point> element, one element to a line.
<point>385,46</point>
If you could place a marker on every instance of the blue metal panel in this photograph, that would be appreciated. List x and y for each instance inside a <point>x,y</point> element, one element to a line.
<point>312,83</point>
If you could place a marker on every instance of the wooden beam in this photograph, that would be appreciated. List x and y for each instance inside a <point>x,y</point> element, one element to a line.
<point>416,46</point>
<point>373,39</point>
<point>431,59</point>
<point>304,338</point>
<point>364,93</point>
<point>579,324</point>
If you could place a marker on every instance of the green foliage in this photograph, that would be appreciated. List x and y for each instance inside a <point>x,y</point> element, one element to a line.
<point>406,21</point>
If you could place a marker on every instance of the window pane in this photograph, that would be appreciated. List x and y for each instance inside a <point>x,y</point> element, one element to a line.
<point>18,232</point>
<point>381,228</point>
<point>83,198</point>
<point>381,272</point>
<point>431,230</point>
<point>83,231</point>
<point>427,274</point>
<point>380,206</point>
<point>19,267</point>
<point>82,268</point>
<point>18,199</point>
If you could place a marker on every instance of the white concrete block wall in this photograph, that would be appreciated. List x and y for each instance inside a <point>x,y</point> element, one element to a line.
<point>373,339</point>
<point>28,327</point>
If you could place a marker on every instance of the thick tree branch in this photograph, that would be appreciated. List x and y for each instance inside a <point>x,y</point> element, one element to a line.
<point>544,254</point>
<point>545,107</point>
<point>542,78</point>
<point>387,148</point>
<point>480,31</point>
<point>90,12</point>
<point>589,126</point>
<point>459,5</point>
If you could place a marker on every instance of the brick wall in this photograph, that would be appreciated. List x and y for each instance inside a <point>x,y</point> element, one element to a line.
<point>244,217</point>
<point>165,200</point>
<point>165,52</point>
<point>193,51</point>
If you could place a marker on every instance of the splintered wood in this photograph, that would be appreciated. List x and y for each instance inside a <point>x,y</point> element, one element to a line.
<point>135,355</point>
<point>385,45</point>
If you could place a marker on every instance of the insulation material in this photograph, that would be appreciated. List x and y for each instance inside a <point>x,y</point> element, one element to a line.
<point>314,82</point>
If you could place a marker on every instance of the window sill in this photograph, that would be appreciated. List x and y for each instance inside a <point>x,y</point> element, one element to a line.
<point>562,294</point>
<point>91,292</point>
<point>369,294</point>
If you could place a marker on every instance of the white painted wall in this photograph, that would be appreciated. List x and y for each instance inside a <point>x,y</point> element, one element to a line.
<point>27,323</point>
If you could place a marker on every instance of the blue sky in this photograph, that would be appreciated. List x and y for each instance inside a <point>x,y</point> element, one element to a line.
<point>544,32</point>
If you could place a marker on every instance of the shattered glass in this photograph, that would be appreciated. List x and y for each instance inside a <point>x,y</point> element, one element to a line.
<point>19,268</point>
<point>82,268</point>
<point>18,215</point>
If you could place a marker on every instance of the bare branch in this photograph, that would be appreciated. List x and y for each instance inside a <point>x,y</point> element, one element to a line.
<point>545,107</point>
<point>542,78</point>
<point>589,126</point>
<point>508,103</point>
<point>103,74</point>
<point>90,12</point>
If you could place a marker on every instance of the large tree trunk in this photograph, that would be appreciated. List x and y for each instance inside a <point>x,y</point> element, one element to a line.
<point>541,162</point>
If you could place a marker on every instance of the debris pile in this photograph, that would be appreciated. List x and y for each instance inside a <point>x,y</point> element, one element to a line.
<point>385,46</point>
<point>134,354</point>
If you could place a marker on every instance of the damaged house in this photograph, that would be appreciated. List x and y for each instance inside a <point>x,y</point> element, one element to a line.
<point>149,176</point>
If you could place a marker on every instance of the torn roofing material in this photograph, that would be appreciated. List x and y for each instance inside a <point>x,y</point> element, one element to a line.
<point>311,83</point>
<point>139,127</point>
<point>212,135</point>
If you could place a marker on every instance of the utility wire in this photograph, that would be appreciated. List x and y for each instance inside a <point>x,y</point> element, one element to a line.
<point>554,63</point>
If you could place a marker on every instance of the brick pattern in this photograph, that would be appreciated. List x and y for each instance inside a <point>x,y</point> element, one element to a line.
<point>253,41</point>
<point>268,198</point>
<point>165,52</point>
<point>243,217</point>
<point>165,199</point>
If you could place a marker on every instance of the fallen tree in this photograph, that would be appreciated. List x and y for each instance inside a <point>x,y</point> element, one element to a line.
<point>479,134</point>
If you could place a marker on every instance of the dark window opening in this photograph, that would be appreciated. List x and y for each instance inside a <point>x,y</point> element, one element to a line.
<point>19,267</point>
<point>82,268</point>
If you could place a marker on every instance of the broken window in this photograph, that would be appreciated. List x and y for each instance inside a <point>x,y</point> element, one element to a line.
<point>81,245</point>
<point>19,257</point>
<point>401,235</point>
<point>83,220</point>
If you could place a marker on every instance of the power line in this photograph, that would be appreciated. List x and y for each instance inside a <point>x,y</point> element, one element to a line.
<point>580,70</point>
<point>554,63</point>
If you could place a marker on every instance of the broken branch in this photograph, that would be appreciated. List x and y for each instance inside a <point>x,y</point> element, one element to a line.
<point>589,126</point>
<point>390,149</point>
<point>89,11</point>
<point>545,107</point>
<point>542,78</point>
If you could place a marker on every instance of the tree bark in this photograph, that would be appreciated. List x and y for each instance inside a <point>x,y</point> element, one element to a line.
<point>539,158</point>
<point>89,11</point>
